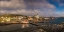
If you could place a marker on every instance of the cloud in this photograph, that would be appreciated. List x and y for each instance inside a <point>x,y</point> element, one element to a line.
<point>60,14</point>
<point>48,13</point>
<point>28,7</point>
<point>29,12</point>
<point>12,4</point>
<point>22,4</point>
<point>39,4</point>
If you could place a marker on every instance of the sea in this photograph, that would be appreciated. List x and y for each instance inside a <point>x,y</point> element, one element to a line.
<point>57,20</point>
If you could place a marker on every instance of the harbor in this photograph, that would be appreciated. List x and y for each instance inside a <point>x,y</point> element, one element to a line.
<point>15,23</point>
<point>30,24</point>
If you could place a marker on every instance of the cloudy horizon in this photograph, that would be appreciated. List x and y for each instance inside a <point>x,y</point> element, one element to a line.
<point>46,8</point>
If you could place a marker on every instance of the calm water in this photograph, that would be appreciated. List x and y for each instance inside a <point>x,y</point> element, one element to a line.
<point>57,21</point>
<point>54,21</point>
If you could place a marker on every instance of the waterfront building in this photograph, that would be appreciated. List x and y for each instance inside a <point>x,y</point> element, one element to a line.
<point>36,19</point>
<point>30,18</point>
<point>25,21</point>
<point>20,17</point>
<point>8,19</point>
<point>37,16</point>
<point>46,18</point>
<point>2,17</point>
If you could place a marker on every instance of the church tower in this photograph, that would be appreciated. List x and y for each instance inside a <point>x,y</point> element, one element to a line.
<point>37,16</point>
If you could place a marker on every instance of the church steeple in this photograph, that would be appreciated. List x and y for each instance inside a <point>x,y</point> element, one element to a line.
<point>37,16</point>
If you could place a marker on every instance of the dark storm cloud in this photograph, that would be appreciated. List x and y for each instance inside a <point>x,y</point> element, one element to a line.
<point>27,7</point>
<point>12,4</point>
<point>5,0</point>
<point>26,4</point>
<point>35,4</point>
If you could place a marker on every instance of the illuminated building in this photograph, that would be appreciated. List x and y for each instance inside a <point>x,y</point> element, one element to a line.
<point>30,18</point>
<point>37,16</point>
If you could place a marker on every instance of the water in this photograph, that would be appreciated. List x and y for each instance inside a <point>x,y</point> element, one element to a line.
<point>54,21</point>
<point>57,21</point>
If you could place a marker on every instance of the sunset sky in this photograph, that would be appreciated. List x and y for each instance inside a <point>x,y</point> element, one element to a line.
<point>32,7</point>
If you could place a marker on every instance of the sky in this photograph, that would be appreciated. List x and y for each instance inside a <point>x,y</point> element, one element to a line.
<point>47,8</point>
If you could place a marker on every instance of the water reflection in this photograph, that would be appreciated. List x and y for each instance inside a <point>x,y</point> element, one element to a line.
<point>25,21</point>
<point>25,25</point>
